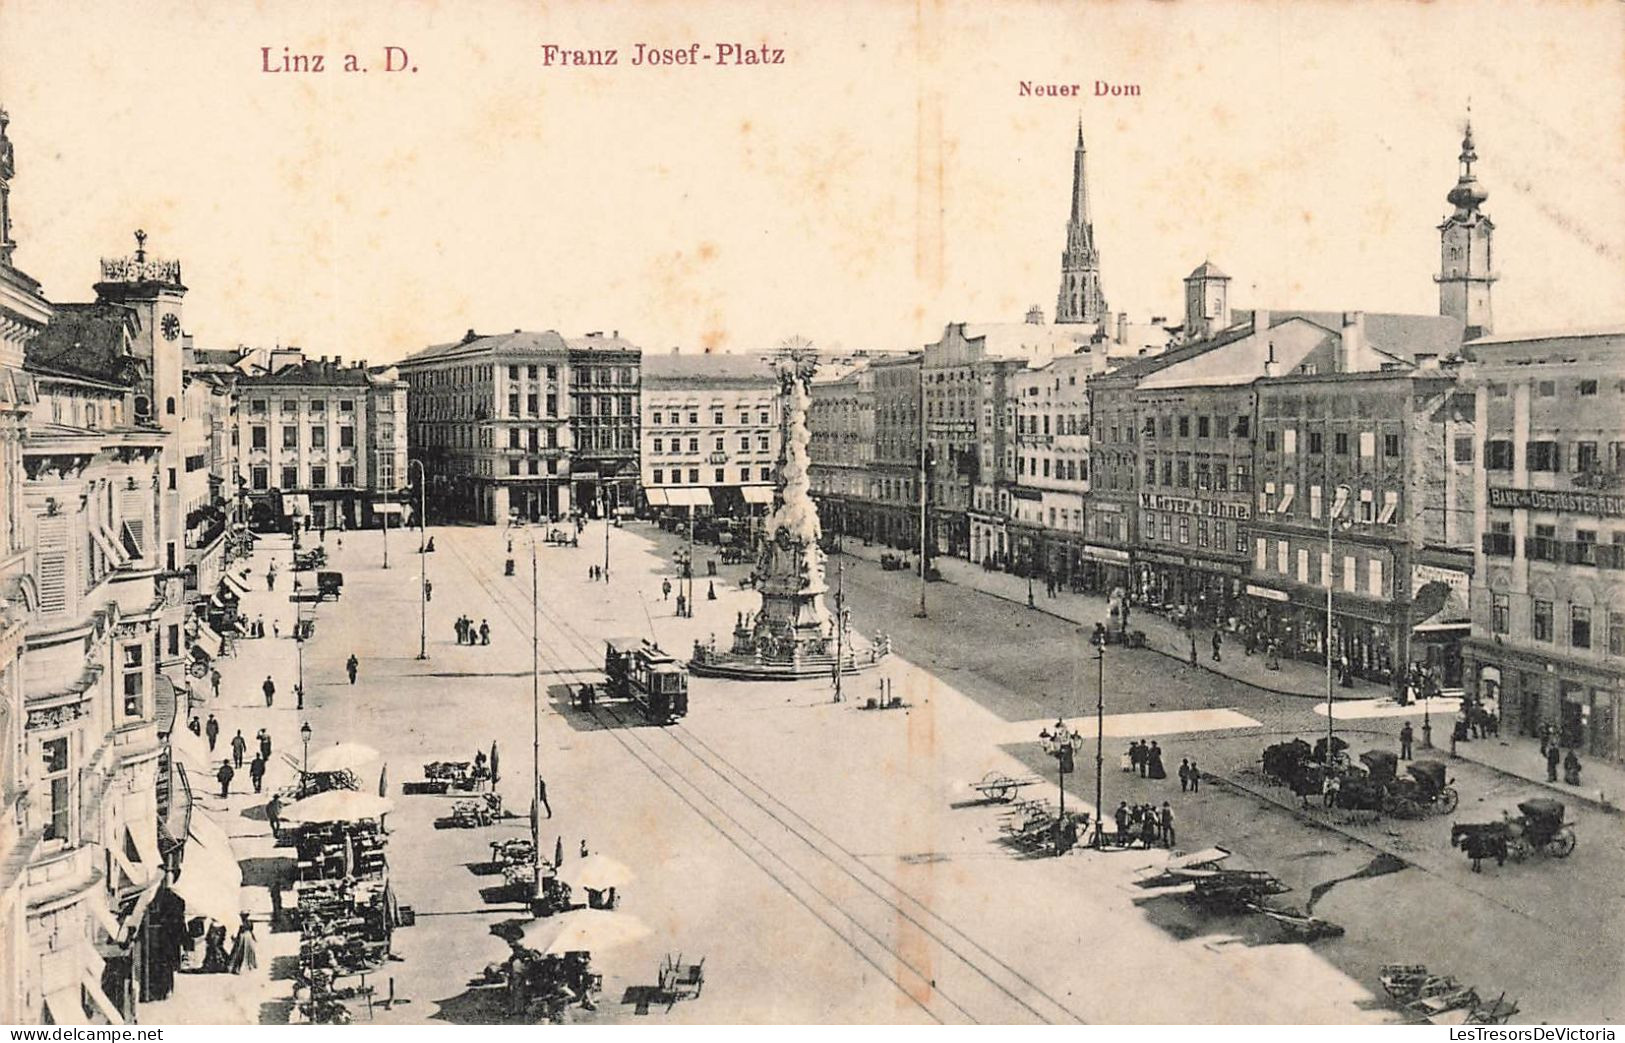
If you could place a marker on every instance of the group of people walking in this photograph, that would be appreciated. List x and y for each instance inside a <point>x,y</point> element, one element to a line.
<point>1145,759</point>
<point>469,634</point>
<point>1144,823</point>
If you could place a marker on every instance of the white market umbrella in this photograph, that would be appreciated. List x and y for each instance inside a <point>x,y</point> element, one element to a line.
<point>343,756</point>
<point>338,805</point>
<point>582,930</point>
<point>596,873</point>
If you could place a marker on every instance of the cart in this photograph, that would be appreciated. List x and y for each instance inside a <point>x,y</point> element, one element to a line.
<point>680,980</point>
<point>329,585</point>
<point>1428,790</point>
<point>998,788</point>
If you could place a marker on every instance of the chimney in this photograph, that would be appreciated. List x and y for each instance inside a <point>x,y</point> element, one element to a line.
<point>338,360</point>
<point>1261,322</point>
<point>1351,343</point>
<point>674,350</point>
<point>1122,327</point>
<point>616,334</point>
<point>470,336</point>
<point>1271,367</point>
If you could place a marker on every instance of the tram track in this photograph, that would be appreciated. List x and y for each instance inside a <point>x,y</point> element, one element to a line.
<point>950,976</point>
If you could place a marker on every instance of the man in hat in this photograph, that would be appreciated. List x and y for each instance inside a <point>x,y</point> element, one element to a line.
<point>269,688</point>
<point>212,731</point>
<point>1406,735</point>
<point>239,746</point>
<point>224,775</point>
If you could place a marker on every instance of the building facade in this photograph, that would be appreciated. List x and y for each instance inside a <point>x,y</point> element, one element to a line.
<point>1049,460</point>
<point>1548,588</point>
<point>604,381</point>
<point>841,421</point>
<point>489,418</point>
<point>710,433</point>
<point>323,443</point>
<point>895,471</point>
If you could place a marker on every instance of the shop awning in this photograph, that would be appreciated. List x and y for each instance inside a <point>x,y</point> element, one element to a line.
<point>109,546</point>
<point>386,508</point>
<point>225,593</point>
<point>689,497</point>
<point>66,1006</point>
<point>236,583</point>
<point>164,703</point>
<point>757,493</point>
<point>210,880</point>
<point>208,640</point>
<point>1459,626</point>
<point>656,497</point>
<point>296,504</point>
<point>192,751</point>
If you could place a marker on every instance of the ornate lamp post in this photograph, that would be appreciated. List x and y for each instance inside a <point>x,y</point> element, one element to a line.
<point>423,559</point>
<point>1061,744</point>
<point>304,733</point>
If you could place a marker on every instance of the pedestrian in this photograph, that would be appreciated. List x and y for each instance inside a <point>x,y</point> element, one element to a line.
<point>1121,815</point>
<point>681,605</point>
<point>1144,763</point>
<point>665,590</point>
<point>710,590</point>
<point>1155,769</point>
<point>259,625</point>
<point>485,632</point>
<point>1193,645</point>
<point>1571,768</point>
<point>224,775</point>
<point>273,814</point>
<point>1099,638</point>
<point>428,591</point>
<point>256,771</point>
<point>1196,778</point>
<point>212,730</point>
<point>1405,737</point>
<point>1184,774</point>
<point>351,665</point>
<point>239,746</point>
<point>270,579</point>
<point>1545,737</point>
<point>541,793</point>
<point>1217,640</point>
<point>592,573</point>
<point>269,688</point>
<point>583,847</point>
<point>243,955</point>
<point>276,628</point>
<point>194,726</point>
<point>1167,825</point>
<point>214,682</point>
<point>264,738</point>
<point>1150,828</point>
<point>458,627</point>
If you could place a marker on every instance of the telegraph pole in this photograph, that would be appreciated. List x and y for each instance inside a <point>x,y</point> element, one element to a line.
<point>925,478</point>
<point>840,626</point>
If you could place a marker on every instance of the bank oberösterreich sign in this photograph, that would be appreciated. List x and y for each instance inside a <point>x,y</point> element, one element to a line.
<point>1561,501</point>
<point>1185,505</point>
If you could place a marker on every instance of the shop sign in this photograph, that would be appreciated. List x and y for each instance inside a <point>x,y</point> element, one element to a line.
<point>1204,508</point>
<point>1107,506</point>
<point>1268,593</point>
<point>1110,554</point>
<point>1163,559</point>
<point>1561,501</point>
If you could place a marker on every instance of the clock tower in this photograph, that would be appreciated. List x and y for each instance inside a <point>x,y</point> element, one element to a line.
<point>1465,273</point>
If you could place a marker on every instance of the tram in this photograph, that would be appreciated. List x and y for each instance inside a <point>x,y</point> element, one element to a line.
<point>656,681</point>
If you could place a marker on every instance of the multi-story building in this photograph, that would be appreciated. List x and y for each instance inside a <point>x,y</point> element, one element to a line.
<point>1548,586</point>
<point>710,433</point>
<point>323,443</point>
<point>96,711</point>
<point>1049,412</point>
<point>24,312</point>
<point>842,423</point>
<point>966,375</point>
<point>604,374</point>
<point>895,470</point>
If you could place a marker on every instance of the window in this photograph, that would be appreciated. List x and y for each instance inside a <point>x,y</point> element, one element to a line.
<point>1149,523</point>
<point>1500,613</point>
<point>135,682</point>
<point>693,445</point>
<point>1390,507</point>
<point>1184,427</point>
<point>1314,501</point>
<point>1546,388</point>
<point>1150,472</point>
<point>693,476</point>
<point>1269,441</point>
<point>1244,479</point>
<point>1616,633</point>
<point>1588,388</point>
<point>654,419</point>
<point>513,438</point>
<point>659,445</point>
<point>1203,427</point>
<point>761,443</point>
<point>1542,456</point>
<point>346,438</point>
<point>513,466</point>
<point>1315,443</point>
<point>659,476</point>
<point>1262,557</point>
<point>290,407</point>
<point>1541,620</point>
<point>744,474</point>
<point>1498,454</point>
<point>1184,473</point>
<point>1242,426</point>
<point>1167,472</point>
<point>318,477</point>
<point>1289,440</point>
<point>1367,507</point>
<point>318,438</point>
<point>261,478</point>
<point>1390,445</point>
<point>513,403</point>
<point>256,405</point>
<point>764,474</point>
<point>1303,565</point>
<point>257,437</point>
<point>54,757</point>
<point>1204,475</point>
<point>1579,626</point>
<point>1464,450</point>
<point>1281,550</point>
<point>1498,390</point>
<point>1221,477</point>
<point>718,445</point>
<point>290,478</point>
<point>719,478</point>
<point>1166,527</point>
<point>1348,573</point>
<point>290,437</point>
<point>1219,536</point>
<point>762,419</point>
<point>1368,444</point>
<point>1586,459</point>
<point>1201,532</point>
<point>1340,443</point>
<point>1374,578</point>
<point>1167,428</point>
<point>319,405</point>
<point>347,477</point>
<point>553,404</point>
<point>1184,528</point>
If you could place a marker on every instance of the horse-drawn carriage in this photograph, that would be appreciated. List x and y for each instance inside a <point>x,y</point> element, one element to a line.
<point>1539,829</point>
<point>307,560</point>
<point>1377,786</point>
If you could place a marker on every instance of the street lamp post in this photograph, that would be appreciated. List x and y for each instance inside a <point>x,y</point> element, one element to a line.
<point>840,626</point>
<point>423,559</point>
<point>1339,499</point>
<point>299,641</point>
<point>1100,736</point>
<point>535,725</point>
<point>304,733</point>
<point>603,508</point>
<point>386,535</point>
<point>1061,744</point>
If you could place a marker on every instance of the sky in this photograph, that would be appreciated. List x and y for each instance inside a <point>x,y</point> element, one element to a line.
<point>885,179</point>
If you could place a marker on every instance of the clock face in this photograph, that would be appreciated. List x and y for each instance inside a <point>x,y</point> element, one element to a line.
<point>171,325</point>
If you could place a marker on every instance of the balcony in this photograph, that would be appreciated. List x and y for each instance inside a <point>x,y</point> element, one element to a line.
<point>1543,548</point>
<point>1577,553</point>
<point>1610,555</point>
<point>1500,544</point>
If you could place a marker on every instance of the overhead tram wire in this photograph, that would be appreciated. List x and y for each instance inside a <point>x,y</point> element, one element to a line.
<point>500,601</point>
<point>585,645</point>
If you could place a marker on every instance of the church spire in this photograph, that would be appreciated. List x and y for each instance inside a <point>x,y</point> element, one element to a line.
<point>1465,274</point>
<point>1080,298</point>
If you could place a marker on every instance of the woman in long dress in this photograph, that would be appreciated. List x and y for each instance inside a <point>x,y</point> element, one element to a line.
<point>243,954</point>
<point>1156,770</point>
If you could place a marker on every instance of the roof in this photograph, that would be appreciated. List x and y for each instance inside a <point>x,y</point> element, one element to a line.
<point>1030,339</point>
<point>713,369</point>
<point>1207,270</point>
<point>310,373</point>
<point>1243,360</point>
<point>1402,336</point>
<point>87,340</point>
<point>519,342</point>
<point>1550,335</point>
<point>599,342</point>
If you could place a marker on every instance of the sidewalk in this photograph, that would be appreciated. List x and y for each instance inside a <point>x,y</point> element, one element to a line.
<point>1603,784</point>
<point>1294,678</point>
